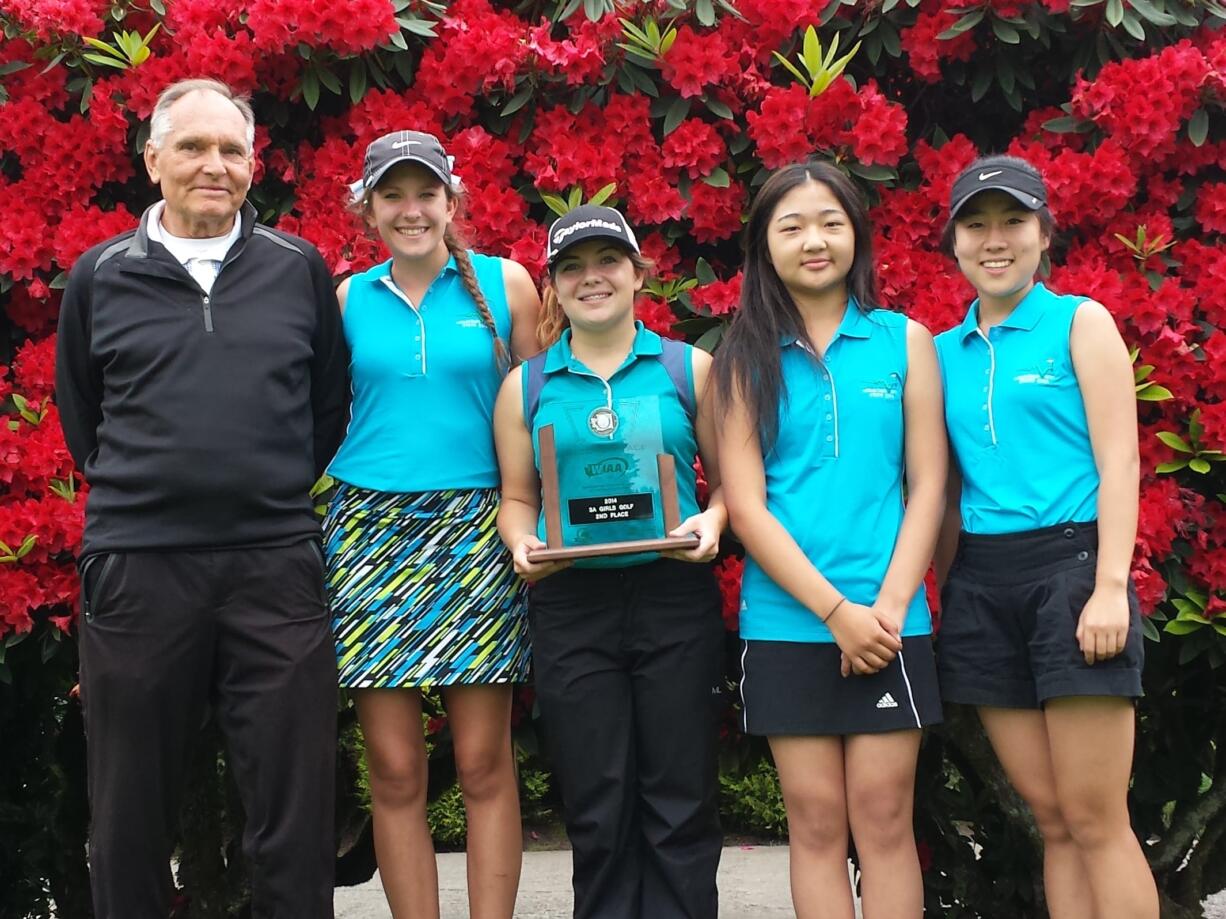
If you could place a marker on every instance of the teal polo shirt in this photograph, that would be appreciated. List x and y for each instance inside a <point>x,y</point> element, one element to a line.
<point>600,458</point>
<point>424,378</point>
<point>834,477</point>
<point>1016,419</point>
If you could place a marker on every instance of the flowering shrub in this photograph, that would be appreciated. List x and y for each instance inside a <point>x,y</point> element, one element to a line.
<point>677,110</point>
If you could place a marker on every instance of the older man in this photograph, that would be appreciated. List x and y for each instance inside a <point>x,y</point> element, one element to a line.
<point>201,383</point>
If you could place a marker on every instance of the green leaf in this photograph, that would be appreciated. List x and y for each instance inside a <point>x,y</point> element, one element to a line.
<point>1005,32</point>
<point>575,198</point>
<point>1149,629</point>
<point>717,108</point>
<point>811,55</point>
<point>1066,124</point>
<point>791,68</point>
<point>1173,466</point>
<point>60,281</point>
<point>518,101</point>
<point>965,24</point>
<point>357,80</point>
<point>1115,13</point>
<point>310,88</point>
<point>1182,627</point>
<point>676,114</point>
<point>1198,127</point>
<point>704,11</point>
<point>1175,442</point>
<point>13,67</point>
<point>603,194</point>
<point>1152,13</point>
<point>555,203</point>
<point>417,26</point>
<point>703,272</point>
<point>329,79</point>
<point>105,61</point>
<point>1132,25</point>
<point>1154,393</point>
<point>158,7</point>
<point>709,339</point>
<point>718,178</point>
<point>872,173</point>
<point>1196,464</point>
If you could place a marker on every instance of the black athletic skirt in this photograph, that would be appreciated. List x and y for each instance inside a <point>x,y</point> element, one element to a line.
<point>794,687</point>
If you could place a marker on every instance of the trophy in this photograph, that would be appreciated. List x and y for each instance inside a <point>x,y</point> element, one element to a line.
<point>610,496</point>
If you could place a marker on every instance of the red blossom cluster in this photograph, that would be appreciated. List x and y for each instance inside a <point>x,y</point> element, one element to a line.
<point>1143,101</point>
<point>790,125</point>
<point>53,18</point>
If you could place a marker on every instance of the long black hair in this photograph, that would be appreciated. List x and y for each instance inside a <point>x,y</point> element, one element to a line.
<point>748,360</point>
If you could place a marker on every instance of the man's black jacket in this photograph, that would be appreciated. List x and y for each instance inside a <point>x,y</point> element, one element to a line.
<point>201,421</point>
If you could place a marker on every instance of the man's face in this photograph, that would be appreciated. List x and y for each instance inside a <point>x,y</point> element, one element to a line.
<point>203,165</point>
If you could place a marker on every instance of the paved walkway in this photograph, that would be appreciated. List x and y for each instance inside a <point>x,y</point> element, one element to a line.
<point>753,884</point>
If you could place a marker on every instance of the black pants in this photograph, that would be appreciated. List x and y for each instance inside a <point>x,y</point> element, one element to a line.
<point>628,672</point>
<point>164,636</point>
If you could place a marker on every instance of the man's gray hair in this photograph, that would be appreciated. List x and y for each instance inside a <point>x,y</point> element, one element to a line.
<point>159,123</point>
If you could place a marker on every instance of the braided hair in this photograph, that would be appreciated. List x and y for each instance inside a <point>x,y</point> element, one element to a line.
<point>455,245</point>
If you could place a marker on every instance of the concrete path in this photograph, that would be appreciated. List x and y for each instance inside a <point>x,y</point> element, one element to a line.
<point>753,884</point>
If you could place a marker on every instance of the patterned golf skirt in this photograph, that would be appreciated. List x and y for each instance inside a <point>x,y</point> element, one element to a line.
<point>422,590</point>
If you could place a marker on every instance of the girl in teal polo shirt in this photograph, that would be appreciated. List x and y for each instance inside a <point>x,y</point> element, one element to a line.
<point>1040,628</point>
<point>627,649</point>
<point>423,594</point>
<point>829,406</point>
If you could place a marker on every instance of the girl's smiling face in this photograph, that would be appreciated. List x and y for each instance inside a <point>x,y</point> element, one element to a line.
<point>595,282</point>
<point>999,246</point>
<point>410,209</point>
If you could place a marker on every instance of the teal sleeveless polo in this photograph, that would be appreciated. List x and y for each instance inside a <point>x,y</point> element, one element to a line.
<point>424,380</point>
<point>651,419</point>
<point>1016,419</point>
<point>834,478</point>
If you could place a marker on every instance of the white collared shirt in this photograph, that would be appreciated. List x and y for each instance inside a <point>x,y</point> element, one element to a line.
<point>201,257</point>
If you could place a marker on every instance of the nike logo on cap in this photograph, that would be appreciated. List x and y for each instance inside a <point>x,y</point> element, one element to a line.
<point>984,176</point>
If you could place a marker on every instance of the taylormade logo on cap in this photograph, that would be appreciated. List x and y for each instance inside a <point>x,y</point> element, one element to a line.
<point>588,221</point>
<point>561,234</point>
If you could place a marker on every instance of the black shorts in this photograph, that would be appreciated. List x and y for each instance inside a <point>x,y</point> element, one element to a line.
<point>1009,616</point>
<point>795,687</point>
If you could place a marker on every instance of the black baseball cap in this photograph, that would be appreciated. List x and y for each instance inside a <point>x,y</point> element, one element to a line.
<point>405,147</point>
<point>588,221</point>
<point>1014,177</point>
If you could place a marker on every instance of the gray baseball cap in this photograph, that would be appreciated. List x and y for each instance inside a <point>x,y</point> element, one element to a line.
<point>588,221</point>
<point>405,147</point>
<point>999,173</point>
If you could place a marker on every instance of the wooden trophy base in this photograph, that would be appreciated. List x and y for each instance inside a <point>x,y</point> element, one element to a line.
<point>551,502</point>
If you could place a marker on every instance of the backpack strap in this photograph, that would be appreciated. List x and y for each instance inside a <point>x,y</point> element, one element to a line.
<point>675,358</point>
<point>534,381</point>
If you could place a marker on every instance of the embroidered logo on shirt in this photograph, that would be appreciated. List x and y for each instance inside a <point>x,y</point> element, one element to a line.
<point>887,701</point>
<point>470,323</point>
<point>1042,375</point>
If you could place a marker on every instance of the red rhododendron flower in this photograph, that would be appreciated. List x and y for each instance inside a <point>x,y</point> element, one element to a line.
<point>719,297</point>
<point>694,147</point>
<point>729,572</point>
<point>715,213</point>
<point>695,61</point>
<point>925,50</point>
<point>656,315</point>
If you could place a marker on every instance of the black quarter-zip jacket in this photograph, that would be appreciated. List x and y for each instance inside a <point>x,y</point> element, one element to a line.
<point>201,421</point>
